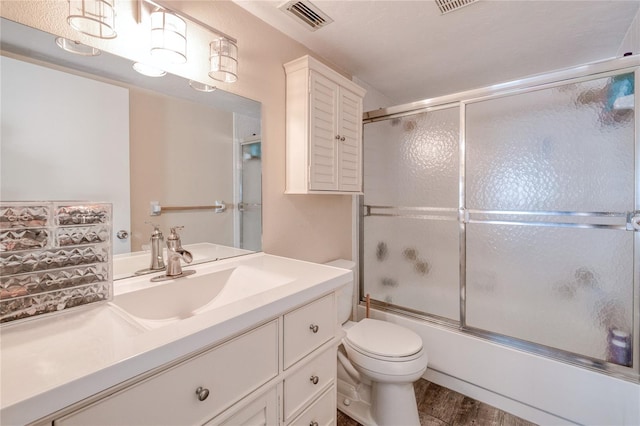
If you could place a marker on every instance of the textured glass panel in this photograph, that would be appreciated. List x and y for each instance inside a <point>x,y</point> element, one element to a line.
<point>82,214</point>
<point>413,263</point>
<point>413,160</point>
<point>54,267</point>
<point>25,216</point>
<point>13,286</point>
<point>37,260</point>
<point>561,287</point>
<point>565,149</point>
<point>23,307</point>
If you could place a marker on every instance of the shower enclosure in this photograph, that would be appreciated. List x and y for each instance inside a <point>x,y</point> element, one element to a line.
<point>512,213</point>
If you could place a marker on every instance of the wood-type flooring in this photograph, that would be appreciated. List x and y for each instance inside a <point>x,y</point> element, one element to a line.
<point>439,406</point>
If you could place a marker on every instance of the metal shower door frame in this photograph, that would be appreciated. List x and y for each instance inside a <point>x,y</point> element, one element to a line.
<point>550,80</point>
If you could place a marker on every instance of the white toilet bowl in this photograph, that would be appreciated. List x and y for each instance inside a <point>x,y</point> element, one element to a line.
<point>389,359</point>
<point>377,364</point>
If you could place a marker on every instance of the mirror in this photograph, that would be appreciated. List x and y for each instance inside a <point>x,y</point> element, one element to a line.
<point>91,128</point>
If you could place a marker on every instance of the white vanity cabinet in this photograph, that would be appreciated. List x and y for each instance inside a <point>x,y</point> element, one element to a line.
<point>195,390</point>
<point>280,373</point>
<point>310,365</point>
<point>324,130</point>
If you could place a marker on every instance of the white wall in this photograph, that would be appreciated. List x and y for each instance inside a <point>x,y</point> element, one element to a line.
<point>45,143</point>
<point>631,42</point>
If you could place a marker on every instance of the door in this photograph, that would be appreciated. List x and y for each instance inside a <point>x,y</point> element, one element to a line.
<point>350,142</point>
<point>322,133</point>
<point>250,204</point>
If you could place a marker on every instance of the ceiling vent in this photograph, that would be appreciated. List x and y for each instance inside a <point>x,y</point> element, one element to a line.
<point>447,6</point>
<point>306,13</point>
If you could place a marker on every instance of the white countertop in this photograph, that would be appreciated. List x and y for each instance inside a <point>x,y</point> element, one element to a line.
<point>50,362</point>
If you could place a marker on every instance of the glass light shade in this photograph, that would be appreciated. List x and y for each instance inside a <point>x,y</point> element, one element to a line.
<point>168,37</point>
<point>201,87</point>
<point>224,60</point>
<point>148,70</point>
<point>95,18</point>
<point>76,47</point>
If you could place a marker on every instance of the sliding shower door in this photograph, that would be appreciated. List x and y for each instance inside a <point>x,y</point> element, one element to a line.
<point>549,185</point>
<point>411,229</point>
<point>523,227</point>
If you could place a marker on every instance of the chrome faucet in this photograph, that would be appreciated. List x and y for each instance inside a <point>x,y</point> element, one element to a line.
<point>176,253</point>
<point>157,256</point>
<point>157,249</point>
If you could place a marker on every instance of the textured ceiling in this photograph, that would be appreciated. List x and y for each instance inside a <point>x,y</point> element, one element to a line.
<point>408,51</point>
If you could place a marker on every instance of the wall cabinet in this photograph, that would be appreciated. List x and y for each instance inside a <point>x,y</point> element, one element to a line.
<point>324,130</point>
<point>277,373</point>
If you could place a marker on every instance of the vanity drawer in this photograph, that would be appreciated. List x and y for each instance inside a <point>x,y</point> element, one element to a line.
<point>320,413</point>
<point>308,327</point>
<point>228,372</point>
<point>308,382</point>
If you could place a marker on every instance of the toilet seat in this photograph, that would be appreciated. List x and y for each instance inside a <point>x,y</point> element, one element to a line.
<point>384,341</point>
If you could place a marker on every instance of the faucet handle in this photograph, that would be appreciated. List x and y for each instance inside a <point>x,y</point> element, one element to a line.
<point>174,232</point>
<point>156,228</point>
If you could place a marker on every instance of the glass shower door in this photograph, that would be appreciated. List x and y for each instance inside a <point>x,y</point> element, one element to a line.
<point>550,191</point>
<point>250,205</point>
<point>411,233</point>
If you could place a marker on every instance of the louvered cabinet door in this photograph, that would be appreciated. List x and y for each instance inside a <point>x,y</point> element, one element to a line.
<point>323,113</point>
<point>349,160</point>
<point>324,130</point>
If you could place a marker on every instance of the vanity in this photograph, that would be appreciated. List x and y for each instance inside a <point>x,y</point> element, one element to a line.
<point>247,340</point>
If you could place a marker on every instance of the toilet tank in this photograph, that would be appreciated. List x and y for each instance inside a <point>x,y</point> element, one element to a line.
<point>345,293</point>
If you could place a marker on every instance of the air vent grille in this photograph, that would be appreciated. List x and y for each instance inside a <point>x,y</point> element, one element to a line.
<point>447,6</point>
<point>306,13</point>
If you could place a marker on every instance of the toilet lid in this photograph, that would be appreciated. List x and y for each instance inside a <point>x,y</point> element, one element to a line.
<point>383,338</point>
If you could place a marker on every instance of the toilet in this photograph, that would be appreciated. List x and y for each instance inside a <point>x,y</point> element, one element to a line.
<point>378,362</point>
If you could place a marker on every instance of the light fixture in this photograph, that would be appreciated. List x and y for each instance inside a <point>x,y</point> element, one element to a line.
<point>224,60</point>
<point>95,18</point>
<point>168,37</point>
<point>201,87</point>
<point>148,70</point>
<point>76,47</point>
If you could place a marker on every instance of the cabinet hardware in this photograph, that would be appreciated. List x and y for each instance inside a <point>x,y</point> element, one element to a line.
<point>313,423</point>
<point>342,139</point>
<point>202,393</point>
<point>314,328</point>
<point>338,137</point>
<point>314,379</point>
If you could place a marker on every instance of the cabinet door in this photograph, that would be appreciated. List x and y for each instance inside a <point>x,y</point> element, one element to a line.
<point>321,413</point>
<point>262,411</point>
<point>350,142</point>
<point>308,327</point>
<point>195,390</point>
<point>309,381</point>
<point>323,103</point>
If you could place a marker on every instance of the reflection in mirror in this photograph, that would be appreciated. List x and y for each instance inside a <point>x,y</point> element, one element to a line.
<point>91,128</point>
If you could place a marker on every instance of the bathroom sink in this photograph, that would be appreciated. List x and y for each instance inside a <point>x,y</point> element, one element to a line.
<point>174,300</point>
<point>127,264</point>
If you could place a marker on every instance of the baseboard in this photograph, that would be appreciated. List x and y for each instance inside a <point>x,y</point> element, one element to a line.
<point>501,402</point>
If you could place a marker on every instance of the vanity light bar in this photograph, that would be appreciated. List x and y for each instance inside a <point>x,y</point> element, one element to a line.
<point>162,5</point>
<point>169,39</point>
<point>95,18</point>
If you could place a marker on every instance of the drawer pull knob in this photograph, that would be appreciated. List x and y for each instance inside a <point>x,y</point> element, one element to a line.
<point>313,423</point>
<point>314,328</point>
<point>203,393</point>
<point>314,379</point>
